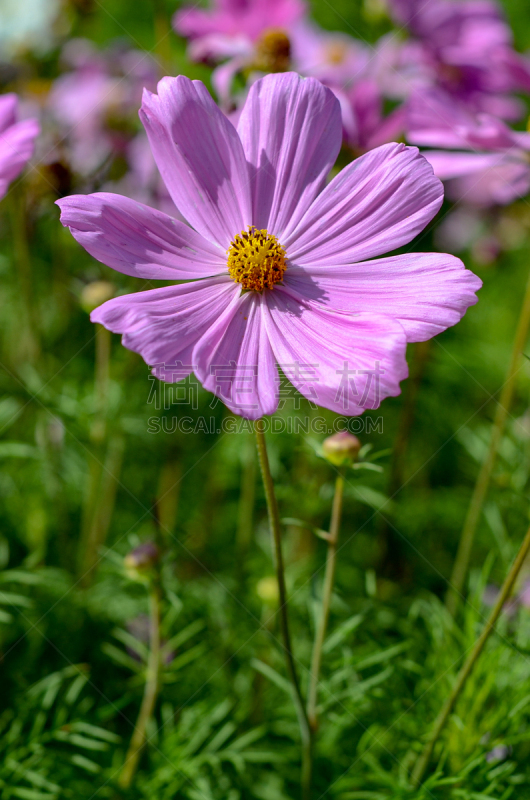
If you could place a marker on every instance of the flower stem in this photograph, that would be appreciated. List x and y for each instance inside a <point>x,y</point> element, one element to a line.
<point>101,483</point>
<point>327,591</point>
<point>150,694</point>
<point>465,671</point>
<point>274,522</point>
<point>246,496</point>
<point>467,536</point>
<point>28,339</point>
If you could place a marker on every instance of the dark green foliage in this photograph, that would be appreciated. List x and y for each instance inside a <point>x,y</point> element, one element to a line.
<point>74,650</point>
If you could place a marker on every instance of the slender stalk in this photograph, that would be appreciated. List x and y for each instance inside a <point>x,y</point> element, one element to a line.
<point>467,536</point>
<point>274,522</point>
<point>327,590</point>
<point>246,497</point>
<point>150,694</point>
<point>390,546</point>
<point>102,513</point>
<point>162,32</point>
<point>465,671</point>
<point>28,340</point>
<point>91,536</point>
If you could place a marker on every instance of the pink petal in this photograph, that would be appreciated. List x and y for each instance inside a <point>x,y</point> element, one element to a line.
<point>200,158</point>
<point>8,110</point>
<point>455,165</point>
<point>163,325</point>
<point>378,203</point>
<point>425,292</point>
<point>235,360</point>
<point>291,132</point>
<point>137,240</point>
<point>340,361</point>
<point>16,148</point>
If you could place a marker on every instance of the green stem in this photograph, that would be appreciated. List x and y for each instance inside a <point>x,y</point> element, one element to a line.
<point>274,522</point>
<point>162,33</point>
<point>101,517</point>
<point>246,497</point>
<point>463,675</point>
<point>327,591</point>
<point>150,694</point>
<point>480,491</point>
<point>97,478</point>
<point>28,339</point>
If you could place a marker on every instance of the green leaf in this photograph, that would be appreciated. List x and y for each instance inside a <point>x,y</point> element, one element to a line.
<point>342,632</point>
<point>271,674</point>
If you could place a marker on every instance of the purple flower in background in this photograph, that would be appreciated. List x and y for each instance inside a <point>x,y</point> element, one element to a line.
<point>346,66</point>
<point>466,47</point>
<point>233,18</point>
<point>17,141</point>
<point>484,162</point>
<point>365,125</point>
<point>143,181</point>
<point>92,103</point>
<point>334,58</point>
<point>246,34</point>
<point>279,266</point>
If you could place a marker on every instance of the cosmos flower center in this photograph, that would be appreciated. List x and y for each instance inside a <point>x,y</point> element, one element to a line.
<point>256,260</point>
<point>273,51</point>
<point>336,53</point>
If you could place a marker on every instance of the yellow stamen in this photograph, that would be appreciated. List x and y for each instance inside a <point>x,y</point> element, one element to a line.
<point>336,52</point>
<point>273,51</point>
<point>256,260</point>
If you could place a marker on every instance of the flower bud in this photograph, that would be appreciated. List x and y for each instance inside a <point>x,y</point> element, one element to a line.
<point>140,561</point>
<point>267,590</point>
<point>341,449</point>
<point>96,293</point>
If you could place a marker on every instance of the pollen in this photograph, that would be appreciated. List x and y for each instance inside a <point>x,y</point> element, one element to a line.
<point>256,260</point>
<point>273,51</point>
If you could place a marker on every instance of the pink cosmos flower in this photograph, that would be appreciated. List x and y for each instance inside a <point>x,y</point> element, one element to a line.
<point>92,103</point>
<point>490,163</point>
<point>346,66</point>
<point>334,58</point>
<point>466,47</point>
<point>17,141</point>
<point>245,34</point>
<point>280,268</point>
<point>365,125</point>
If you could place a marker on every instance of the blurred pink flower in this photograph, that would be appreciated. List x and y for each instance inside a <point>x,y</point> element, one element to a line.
<point>492,165</point>
<point>93,102</point>
<point>346,66</point>
<point>17,141</point>
<point>300,289</point>
<point>232,18</point>
<point>466,47</point>
<point>143,181</point>
<point>245,34</point>
<point>336,59</point>
<point>365,125</point>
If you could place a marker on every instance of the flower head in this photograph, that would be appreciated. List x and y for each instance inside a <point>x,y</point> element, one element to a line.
<point>483,162</point>
<point>280,268</point>
<point>341,448</point>
<point>249,35</point>
<point>466,48</point>
<point>92,103</point>
<point>17,141</point>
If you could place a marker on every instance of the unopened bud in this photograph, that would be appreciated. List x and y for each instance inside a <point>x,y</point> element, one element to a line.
<point>96,293</point>
<point>267,590</point>
<point>341,449</point>
<point>140,561</point>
